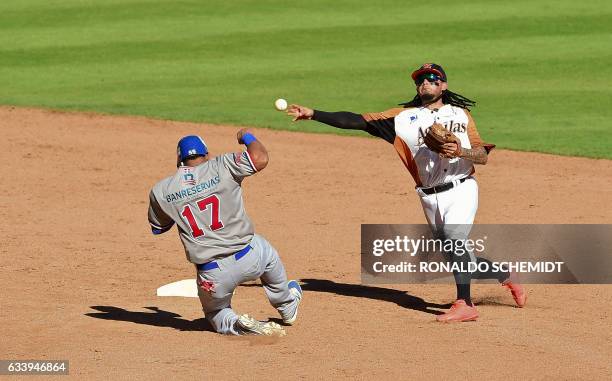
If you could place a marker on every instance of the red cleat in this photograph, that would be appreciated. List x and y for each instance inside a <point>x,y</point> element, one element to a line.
<point>460,311</point>
<point>517,290</point>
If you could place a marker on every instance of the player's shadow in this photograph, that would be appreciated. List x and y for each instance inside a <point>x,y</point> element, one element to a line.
<point>401,298</point>
<point>157,318</point>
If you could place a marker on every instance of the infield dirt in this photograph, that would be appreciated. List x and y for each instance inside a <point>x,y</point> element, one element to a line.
<point>80,266</point>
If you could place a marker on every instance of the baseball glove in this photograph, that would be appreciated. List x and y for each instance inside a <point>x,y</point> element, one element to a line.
<point>437,136</point>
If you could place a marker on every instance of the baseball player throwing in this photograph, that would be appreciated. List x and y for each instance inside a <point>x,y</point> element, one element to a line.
<point>204,199</point>
<point>442,169</point>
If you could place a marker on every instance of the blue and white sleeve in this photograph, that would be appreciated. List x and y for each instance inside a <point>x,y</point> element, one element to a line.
<point>160,222</point>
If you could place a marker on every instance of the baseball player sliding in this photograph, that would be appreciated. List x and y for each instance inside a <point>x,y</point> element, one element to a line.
<point>436,139</point>
<point>204,199</point>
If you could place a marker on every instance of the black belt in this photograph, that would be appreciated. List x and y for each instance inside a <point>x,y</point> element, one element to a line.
<point>441,188</point>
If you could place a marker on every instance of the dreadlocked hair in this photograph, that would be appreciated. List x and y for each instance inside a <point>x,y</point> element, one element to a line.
<point>448,97</point>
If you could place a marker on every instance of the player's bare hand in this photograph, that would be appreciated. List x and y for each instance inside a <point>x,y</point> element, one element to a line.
<point>240,134</point>
<point>300,112</point>
<point>450,150</point>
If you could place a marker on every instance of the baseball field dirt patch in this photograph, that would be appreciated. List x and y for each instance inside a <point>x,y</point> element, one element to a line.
<point>80,267</point>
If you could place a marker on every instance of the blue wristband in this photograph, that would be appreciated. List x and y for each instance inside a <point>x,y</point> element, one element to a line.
<point>248,138</point>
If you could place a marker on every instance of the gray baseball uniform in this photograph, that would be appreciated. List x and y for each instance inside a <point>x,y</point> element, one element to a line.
<point>206,204</point>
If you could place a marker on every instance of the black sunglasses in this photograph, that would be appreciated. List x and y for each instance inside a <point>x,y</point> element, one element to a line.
<point>430,77</point>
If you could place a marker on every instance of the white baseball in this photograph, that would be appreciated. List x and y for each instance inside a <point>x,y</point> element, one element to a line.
<point>280,104</point>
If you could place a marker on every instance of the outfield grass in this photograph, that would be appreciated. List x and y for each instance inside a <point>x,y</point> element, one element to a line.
<point>541,71</point>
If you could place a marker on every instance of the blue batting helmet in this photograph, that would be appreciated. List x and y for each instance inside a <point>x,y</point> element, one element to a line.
<point>190,146</point>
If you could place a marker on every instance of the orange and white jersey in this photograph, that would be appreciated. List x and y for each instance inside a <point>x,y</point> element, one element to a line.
<point>410,125</point>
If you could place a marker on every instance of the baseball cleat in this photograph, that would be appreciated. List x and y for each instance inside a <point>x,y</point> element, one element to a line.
<point>248,325</point>
<point>296,291</point>
<point>517,290</point>
<point>459,312</point>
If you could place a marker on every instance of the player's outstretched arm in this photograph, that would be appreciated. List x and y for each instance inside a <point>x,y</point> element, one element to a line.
<point>256,150</point>
<point>341,119</point>
<point>300,112</point>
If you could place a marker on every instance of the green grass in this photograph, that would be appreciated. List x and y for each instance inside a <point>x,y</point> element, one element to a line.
<point>538,69</point>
